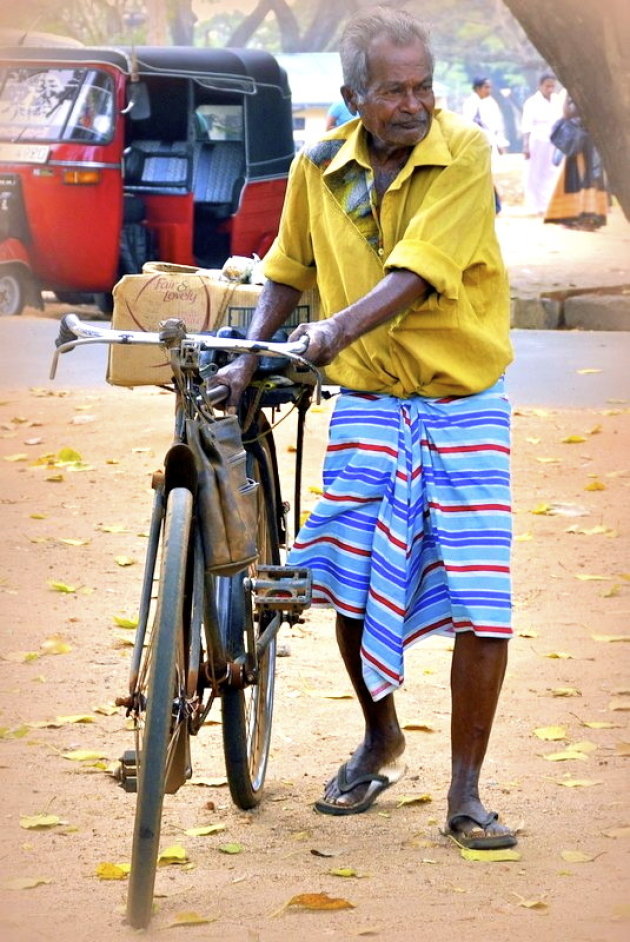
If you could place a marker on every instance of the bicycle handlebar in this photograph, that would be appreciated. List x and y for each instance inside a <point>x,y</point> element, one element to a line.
<point>74,332</point>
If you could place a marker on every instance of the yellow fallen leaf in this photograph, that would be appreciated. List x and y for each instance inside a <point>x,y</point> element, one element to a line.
<point>523,537</point>
<point>622,749</point>
<point>551,733</point>
<point>39,822</point>
<point>566,692</point>
<point>565,756</point>
<point>112,528</point>
<point>610,638</point>
<point>343,872</point>
<point>612,592</point>
<point>112,871</point>
<point>55,645</point>
<point>548,460</point>
<point>73,542</point>
<point>533,903</point>
<point>414,800</point>
<point>315,489</point>
<point>559,655</point>
<point>83,755</point>
<point>595,486</point>
<point>190,918</point>
<point>418,728</point>
<point>576,856</point>
<point>18,457</point>
<point>124,561</point>
<point>61,586</point>
<point>55,478</point>
<point>573,440</point>
<point>541,509</point>
<point>175,854</point>
<point>319,901</point>
<point>107,709</point>
<point>25,883</point>
<point>231,848</point>
<point>205,830</point>
<point>124,622</point>
<point>75,718</point>
<point>209,782</point>
<point>619,705</point>
<point>599,724</point>
<point>588,369</point>
<point>579,782</point>
<point>490,856</point>
<point>584,746</point>
<point>617,832</point>
<point>532,441</point>
<point>527,633</point>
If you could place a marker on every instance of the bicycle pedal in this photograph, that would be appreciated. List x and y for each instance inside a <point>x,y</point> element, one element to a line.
<point>282,587</point>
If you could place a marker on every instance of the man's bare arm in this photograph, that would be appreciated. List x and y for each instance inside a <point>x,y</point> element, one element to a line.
<point>393,294</point>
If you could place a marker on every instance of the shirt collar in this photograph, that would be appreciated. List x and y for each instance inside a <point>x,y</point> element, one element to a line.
<point>432,151</point>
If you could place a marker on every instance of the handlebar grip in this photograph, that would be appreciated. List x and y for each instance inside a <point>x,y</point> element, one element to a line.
<point>66,332</point>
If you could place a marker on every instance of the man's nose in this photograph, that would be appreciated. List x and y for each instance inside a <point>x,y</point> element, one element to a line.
<point>412,102</point>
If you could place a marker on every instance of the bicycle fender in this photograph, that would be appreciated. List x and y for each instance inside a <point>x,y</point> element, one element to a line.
<point>180,469</point>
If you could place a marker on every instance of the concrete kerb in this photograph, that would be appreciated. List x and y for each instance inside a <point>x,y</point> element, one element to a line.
<point>583,309</point>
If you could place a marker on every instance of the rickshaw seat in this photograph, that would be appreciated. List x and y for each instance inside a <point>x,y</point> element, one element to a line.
<point>218,174</point>
<point>158,164</point>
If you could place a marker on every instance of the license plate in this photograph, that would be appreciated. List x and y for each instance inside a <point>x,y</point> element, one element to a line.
<point>9,182</point>
<point>24,153</point>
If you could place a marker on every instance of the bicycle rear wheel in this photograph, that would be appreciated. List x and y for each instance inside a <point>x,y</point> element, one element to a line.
<point>247,714</point>
<point>162,746</point>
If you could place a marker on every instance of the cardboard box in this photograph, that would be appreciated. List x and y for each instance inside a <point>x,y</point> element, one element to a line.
<point>141,302</point>
<point>196,296</point>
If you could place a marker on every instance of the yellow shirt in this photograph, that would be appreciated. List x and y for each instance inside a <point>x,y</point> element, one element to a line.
<point>437,220</point>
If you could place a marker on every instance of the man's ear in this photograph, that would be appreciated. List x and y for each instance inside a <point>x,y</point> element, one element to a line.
<point>350,99</point>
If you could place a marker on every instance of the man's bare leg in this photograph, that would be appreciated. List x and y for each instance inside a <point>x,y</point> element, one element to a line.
<point>383,742</point>
<point>477,674</point>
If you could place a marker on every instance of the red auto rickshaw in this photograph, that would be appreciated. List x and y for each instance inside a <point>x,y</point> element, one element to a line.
<point>113,157</point>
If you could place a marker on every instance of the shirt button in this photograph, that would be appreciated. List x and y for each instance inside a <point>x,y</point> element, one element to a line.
<point>381,251</point>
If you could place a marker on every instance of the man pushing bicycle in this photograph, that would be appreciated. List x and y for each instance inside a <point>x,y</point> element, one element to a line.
<point>392,216</point>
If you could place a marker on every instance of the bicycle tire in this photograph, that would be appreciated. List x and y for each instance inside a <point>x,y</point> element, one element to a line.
<point>247,714</point>
<point>165,743</point>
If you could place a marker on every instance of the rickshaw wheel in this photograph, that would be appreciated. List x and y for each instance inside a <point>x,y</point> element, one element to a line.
<point>11,292</point>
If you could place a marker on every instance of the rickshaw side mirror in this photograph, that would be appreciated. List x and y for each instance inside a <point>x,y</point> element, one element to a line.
<point>138,104</point>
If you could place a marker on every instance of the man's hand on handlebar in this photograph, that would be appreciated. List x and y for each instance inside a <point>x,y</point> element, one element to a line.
<point>237,376</point>
<point>325,340</point>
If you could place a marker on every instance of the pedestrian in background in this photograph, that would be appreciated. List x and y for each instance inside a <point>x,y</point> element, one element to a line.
<point>482,109</point>
<point>540,112</point>
<point>338,113</point>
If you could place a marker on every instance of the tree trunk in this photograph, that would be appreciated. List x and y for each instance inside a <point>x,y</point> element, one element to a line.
<point>587,46</point>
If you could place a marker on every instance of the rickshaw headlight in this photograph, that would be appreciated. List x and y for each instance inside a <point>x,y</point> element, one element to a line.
<point>82,177</point>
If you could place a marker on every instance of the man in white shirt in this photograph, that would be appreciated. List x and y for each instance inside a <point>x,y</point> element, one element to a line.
<point>482,109</point>
<point>540,113</point>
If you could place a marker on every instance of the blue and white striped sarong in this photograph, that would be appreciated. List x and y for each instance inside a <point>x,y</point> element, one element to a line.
<point>413,531</point>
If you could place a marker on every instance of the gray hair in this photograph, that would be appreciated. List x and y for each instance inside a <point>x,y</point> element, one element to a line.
<point>399,26</point>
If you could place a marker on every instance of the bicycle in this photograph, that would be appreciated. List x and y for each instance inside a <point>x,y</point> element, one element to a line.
<point>212,636</point>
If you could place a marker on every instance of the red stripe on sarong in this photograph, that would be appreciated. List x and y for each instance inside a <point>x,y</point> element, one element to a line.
<point>453,449</point>
<point>303,544</point>
<point>387,603</point>
<point>351,497</point>
<point>332,598</point>
<point>435,626</point>
<point>392,539</point>
<point>468,508</point>
<point>360,446</point>
<point>380,666</point>
<point>479,568</point>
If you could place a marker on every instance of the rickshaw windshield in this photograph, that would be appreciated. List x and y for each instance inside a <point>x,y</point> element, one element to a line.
<point>56,104</point>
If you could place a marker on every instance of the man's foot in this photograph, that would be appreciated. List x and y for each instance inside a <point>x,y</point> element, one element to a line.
<point>474,827</point>
<point>359,781</point>
<point>369,785</point>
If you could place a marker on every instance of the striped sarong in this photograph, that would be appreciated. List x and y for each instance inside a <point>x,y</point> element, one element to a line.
<point>412,533</point>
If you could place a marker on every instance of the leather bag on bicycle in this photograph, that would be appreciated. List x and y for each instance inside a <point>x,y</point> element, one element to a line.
<point>227,500</point>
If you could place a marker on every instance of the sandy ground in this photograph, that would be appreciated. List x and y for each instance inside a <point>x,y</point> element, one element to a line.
<point>64,657</point>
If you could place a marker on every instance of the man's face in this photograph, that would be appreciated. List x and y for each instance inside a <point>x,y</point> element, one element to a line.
<point>398,104</point>
<point>548,87</point>
<point>484,90</point>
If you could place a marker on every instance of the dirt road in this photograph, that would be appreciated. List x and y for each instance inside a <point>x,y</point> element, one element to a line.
<point>63,583</point>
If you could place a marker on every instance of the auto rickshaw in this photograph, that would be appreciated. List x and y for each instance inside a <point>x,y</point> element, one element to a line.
<point>111,157</point>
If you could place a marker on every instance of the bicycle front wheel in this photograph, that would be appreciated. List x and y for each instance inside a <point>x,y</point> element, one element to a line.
<point>247,713</point>
<point>162,753</point>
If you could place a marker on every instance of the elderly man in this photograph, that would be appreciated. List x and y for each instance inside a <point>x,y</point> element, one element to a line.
<point>392,215</point>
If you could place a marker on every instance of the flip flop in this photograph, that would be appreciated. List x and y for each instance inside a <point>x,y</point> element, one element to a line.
<point>377,783</point>
<point>474,840</point>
